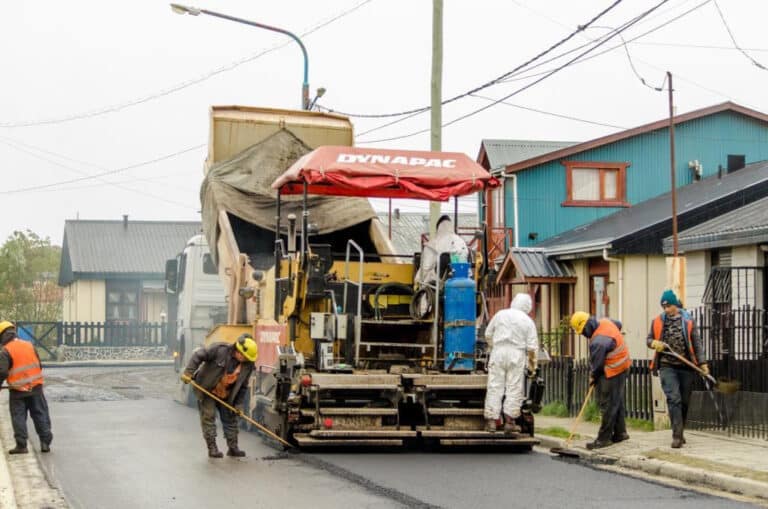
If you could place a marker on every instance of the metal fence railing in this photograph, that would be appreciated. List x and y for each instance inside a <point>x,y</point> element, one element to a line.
<point>95,334</point>
<point>567,380</point>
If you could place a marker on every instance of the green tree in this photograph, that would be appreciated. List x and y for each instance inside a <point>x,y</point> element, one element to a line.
<point>29,268</point>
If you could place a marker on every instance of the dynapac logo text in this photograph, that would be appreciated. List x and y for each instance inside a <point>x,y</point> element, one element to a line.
<point>405,161</point>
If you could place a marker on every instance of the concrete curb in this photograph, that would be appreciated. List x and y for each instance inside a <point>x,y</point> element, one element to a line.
<point>7,493</point>
<point>723,482</point>
<point>686,474</point>
<point>106,363</point>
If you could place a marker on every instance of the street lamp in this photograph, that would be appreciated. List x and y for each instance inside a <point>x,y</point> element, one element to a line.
<point>194,11</point>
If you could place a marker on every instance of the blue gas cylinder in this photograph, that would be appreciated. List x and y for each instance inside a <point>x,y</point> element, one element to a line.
<point>459,320</point>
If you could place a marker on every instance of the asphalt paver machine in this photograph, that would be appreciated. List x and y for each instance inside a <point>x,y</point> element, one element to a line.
<point>353,351</point>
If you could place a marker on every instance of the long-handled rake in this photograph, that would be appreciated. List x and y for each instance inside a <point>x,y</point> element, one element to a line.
<point>566,450</point>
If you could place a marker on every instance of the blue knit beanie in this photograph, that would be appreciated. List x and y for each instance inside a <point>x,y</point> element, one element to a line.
<point>669,297</point>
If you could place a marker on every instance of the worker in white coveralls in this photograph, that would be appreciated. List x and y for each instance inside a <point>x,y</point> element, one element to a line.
<point>444,241</point>
<point>512,338</point>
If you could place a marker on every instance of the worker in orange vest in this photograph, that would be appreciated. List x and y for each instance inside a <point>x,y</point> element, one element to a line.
<point>609,363</point>
<point>20,365</point>
<point>674,329</point>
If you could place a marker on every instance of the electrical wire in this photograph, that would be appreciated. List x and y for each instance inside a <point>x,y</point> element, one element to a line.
<point>182,85</point>
<point>733,39</point>
<point>517,77</point>
<point>114,171</point>
<point>525,87</point>
<point>74,170</point>
<point>490,83</point>
<point>558,115</point>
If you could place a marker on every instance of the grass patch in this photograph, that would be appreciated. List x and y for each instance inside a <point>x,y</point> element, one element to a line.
<point>639,424</point>
<point>555,431</point>
<point>555,409</point>
<point>711,466</point>
<point>592,412</point>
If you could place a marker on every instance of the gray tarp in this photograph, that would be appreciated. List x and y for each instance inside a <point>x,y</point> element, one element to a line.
<point>241,186</point>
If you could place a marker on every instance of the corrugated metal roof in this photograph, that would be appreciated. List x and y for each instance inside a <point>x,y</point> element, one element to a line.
<point>624,224</point>
<point>408,228</point>
<point>551,155</point>
<point>744,225</point>
<point>114,247</point>
<point>533,263</point>
<point>502,153</point>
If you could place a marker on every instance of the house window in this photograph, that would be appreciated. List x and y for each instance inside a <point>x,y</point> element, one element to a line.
<point>595,184</point>
<point>497,207</point>
<point>122,300</point>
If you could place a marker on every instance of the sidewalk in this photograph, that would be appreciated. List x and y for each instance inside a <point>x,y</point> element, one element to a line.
<point>733,464</point>
<point>23,483</point>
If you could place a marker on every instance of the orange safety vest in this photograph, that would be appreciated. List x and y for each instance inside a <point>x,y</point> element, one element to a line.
<point>658,328</point>
<point>617,361</point>
<point>25,372</point>
<point>222,388</point>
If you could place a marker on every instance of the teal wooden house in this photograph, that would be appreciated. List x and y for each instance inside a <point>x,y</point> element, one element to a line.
<point>551,187</point>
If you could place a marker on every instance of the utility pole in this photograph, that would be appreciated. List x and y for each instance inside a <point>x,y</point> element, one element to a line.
<point>676,267</point>
<point>672,164</point>
<point>436,98</point>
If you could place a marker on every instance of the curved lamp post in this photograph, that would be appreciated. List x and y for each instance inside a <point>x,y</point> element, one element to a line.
<point>194,11</point>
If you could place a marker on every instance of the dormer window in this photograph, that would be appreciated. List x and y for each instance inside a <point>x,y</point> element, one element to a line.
<point>595,184</point>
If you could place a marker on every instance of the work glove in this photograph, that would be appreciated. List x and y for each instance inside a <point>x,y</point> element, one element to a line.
<point>658,345</point>
<point>705,369</point>
<point>592,381</point>
<point>186,378</point>
<point>532,363</point>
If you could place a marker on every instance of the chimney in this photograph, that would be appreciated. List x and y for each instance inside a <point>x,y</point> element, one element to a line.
<point>125,221</point>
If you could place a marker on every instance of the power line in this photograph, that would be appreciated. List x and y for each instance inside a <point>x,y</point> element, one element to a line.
<point>105,173</point>
<point>527,86</point>
<point>698,46</point>
<point>516,77</point>
<point>184,84</point>
<point>490,83</point>
<point>733,39</point>
<point>10,143</point>
<point>558,115</point>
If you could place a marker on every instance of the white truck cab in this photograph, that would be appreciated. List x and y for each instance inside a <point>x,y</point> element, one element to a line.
<point>194,286</point>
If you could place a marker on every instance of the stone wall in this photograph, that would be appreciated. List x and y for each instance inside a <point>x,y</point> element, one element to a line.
<point>112,353</point>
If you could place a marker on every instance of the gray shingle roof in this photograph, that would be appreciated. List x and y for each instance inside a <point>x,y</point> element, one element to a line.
<point>501,153</point>
<point>744,225</point>
<point>408,228</point>
<point>643,227</point>
<point>109,247</point>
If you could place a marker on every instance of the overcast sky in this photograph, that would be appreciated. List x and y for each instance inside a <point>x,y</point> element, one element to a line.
<point>82,57</point>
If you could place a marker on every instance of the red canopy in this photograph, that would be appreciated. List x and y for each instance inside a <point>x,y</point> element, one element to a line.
<point>383,173</point>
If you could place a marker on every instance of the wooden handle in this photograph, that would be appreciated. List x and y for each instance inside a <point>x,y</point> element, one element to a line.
<point>691,365</point>
<point>240,414</point>
<point>578,417</point>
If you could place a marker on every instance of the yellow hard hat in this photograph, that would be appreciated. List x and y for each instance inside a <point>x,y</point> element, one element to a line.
<point>5,325</point>
<point>248,347</point>
<point>578,321</point>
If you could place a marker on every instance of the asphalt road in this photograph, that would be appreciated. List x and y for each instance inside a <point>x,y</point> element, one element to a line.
<point>114,448</point>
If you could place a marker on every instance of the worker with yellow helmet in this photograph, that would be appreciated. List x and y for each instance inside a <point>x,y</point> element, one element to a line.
<point>20,367</point>
<point>609,363</point>
<point>224,370</point>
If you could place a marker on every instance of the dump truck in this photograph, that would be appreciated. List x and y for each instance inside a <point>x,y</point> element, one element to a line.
<point>352,350</point>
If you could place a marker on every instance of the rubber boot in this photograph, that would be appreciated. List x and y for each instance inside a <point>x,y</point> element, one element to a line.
<point>233,450</point>
<point>510,426</point>
<point>490,425</point>
<point>19,449</point>
<point>677,435</point>
<point>213,449</point>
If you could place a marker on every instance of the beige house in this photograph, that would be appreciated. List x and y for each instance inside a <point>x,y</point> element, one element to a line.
<point>619,261</point>
<point>114,271</point>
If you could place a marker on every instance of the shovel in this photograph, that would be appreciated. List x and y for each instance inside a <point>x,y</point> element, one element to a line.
<point>566,450</point>
<point>240,414</point>
<point>722,386</point>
